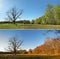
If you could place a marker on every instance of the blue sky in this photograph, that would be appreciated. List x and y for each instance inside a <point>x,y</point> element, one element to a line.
<point>31,38</point>
<point>32,8</point>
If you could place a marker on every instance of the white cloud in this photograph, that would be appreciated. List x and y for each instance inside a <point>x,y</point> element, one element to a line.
<point>1,4</point>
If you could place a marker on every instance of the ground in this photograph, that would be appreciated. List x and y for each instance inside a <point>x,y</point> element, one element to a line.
<point>28,57</point>
<point>28,26</point>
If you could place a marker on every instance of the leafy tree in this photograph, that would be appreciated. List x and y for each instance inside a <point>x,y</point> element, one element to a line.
<point>30,51</point>
<point>22,52</point>
<point>26,22</point>
<point>49,47</point>
<point>43,20</point>
<point>37,21</point>
<point>57,14</point>
<point>33,21</point>
<point>49,15</point>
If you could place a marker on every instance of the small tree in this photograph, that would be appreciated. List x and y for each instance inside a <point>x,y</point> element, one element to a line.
<point>14,14</point>
<point>33,21</point>
<point>14,45</point>
<point>30,51</point>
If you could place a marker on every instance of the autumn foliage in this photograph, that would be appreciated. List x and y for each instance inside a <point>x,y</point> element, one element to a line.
<point>49,47</point>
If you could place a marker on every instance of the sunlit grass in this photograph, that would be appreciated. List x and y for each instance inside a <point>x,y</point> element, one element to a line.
<point>10,56</point>
<point>28,26</point>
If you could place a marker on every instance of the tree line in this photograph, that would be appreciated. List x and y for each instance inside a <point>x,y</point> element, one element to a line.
<point>51,16</point>
<point>51,46</point>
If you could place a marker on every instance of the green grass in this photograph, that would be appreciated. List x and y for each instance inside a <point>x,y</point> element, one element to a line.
<point>28,57</point>
<point>28,26</point>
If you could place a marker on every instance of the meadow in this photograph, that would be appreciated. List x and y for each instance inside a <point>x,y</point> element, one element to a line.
<point>28,26</point>
<point>28,57</point>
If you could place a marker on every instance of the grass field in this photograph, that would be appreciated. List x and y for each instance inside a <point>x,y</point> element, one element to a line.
<point>28,26</point>
<point>28,57</point>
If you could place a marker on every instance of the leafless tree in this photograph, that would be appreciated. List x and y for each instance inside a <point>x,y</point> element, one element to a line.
<point>14,45</point>
<point>14,14</point>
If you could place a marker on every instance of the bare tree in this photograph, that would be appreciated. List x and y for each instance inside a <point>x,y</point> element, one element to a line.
<point>14,45</point>
<point>14,14</point>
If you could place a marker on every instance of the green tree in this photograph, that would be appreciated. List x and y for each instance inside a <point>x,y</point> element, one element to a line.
<point>33,21</point>
<point>37,21</point>
<point>49,15</point>
<point>57,14</point>
<point>43,20</point>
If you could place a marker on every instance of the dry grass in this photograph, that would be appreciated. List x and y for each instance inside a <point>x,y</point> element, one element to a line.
<point>32,56</point>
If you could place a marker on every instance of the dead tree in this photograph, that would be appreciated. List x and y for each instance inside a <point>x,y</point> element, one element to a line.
<point>14,45</point>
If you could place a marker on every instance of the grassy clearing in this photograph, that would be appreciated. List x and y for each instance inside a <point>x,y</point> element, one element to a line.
<point>28,57</point>
<point>28,26</point>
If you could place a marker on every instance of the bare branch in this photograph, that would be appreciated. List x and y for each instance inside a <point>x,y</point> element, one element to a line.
<point>14,44</point>
<point>14,14</point>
